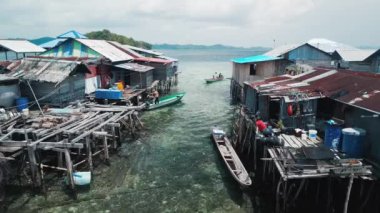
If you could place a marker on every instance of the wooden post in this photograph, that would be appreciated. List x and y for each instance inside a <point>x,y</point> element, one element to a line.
<point>33,166</point>
<point>59,154</point>
<point>114,142</point>
<point>105,144</point>
<point>69,167</point>
<point>89,153</point>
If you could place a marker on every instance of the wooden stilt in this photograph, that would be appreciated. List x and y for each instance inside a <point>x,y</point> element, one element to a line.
<point>89,153</point>
<point>114,142</point>
<point>69,171</point>
<point>105,146</point>
<point>34,166</point>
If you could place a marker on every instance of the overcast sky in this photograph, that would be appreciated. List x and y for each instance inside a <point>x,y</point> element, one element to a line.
<point>231,22</point>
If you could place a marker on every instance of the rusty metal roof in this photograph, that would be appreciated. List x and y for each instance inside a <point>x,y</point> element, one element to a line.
<point>153,60</point>
<point>360,89</point>
<point>44,70</point>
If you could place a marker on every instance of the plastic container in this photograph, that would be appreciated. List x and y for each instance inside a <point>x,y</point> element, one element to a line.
<point>333,133</point>
<point>119,85</point>
<point>313,134</point>
<point>22,103</point>
<point>108,94</point>
<point>82,178</point>
<point>353,142</point>
<point>25,112</point>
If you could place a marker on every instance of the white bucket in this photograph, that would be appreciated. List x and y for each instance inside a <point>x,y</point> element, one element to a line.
<point>313,134</point>
<point>25,112</point>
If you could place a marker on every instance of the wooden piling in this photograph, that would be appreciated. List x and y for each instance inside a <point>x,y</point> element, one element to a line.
<point>105,146</point>
<point>89,153</point>
<point>69,169</point>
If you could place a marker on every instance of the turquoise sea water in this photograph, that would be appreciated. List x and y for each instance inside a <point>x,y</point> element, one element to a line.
<point>173,166</point>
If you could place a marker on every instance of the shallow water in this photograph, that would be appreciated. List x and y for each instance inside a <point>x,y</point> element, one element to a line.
<point>173,166</point>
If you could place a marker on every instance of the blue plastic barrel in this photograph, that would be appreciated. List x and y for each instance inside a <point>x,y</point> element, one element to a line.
<point>22,103</point>
<point>353,142</point>
<point>332,132</point>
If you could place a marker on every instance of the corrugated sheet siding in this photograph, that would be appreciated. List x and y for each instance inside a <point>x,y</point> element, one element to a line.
<point>307,53</point>
<point>250,98</point>
<point>144,79</point>
<point>264,107</point>
<point>73,88</point>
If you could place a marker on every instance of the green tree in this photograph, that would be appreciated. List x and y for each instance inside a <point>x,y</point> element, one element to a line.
<point>109,36</point>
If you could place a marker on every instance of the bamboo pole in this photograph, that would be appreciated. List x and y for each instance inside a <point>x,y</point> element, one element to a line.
<point>34,95</point>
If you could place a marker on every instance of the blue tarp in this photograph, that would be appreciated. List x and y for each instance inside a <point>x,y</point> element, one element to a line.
<point>256,58</point>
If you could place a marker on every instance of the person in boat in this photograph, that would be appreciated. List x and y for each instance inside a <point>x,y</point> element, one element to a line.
<point>220,76</point>
<point>156,96</point>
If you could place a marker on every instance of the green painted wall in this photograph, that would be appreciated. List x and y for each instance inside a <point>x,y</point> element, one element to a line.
<point>77,49</point>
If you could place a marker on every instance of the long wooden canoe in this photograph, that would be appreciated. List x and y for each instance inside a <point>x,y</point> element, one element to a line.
<point>165,101</point>
<point>230,158</point>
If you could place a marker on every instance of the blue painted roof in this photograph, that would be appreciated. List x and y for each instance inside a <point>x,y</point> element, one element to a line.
<point>71,34</point>
<point>256,58</point>
<point>41,40</point>
<point>52,43</point>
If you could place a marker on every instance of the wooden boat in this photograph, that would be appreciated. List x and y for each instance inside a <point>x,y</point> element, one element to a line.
<point>230,158</point>
<point>165,101</point>
<point>212,80</point>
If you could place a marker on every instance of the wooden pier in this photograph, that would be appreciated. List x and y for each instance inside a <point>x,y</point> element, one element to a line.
<point>65,139</point>
<point>294,166</point>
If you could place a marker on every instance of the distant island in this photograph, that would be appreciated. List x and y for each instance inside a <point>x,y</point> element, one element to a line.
<point>110,36</point>
<point>204,47</point>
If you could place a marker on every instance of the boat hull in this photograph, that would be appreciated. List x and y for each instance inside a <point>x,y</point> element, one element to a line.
<point>166,101</point>
<point>211,80</point>
<point>230,158</point>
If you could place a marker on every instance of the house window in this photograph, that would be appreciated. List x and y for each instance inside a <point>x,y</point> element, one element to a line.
<point>252,69</point>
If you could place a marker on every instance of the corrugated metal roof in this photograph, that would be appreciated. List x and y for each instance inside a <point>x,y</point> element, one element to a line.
<point>126,49</point>
<point>359,89</point>
<point>5,78</point>
<point>328,45</point>
<point>151,52</point>
<point>167,58</point>
<point>134,67</point>
<point>72,34</point>
<point>21,46</point>
<point>281,50</point>
<point>45,70</point>
<point>355,55</point>
<point>254,59</point>
<point>106,49</point>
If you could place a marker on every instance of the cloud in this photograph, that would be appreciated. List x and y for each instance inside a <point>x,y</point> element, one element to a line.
<point>236,22</point>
